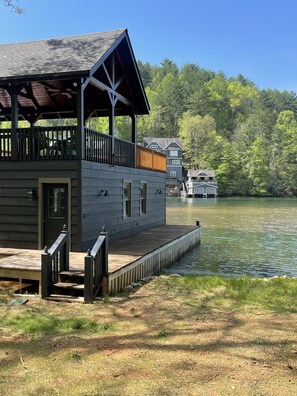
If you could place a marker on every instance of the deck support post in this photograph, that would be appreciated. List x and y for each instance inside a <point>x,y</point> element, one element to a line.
<point>13,92</point>
<point>111,132</point>
<point>80,136</point>
<point>133,137</point>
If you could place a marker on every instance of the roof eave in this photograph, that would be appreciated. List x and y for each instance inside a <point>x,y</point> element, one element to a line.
<point>44,77</point>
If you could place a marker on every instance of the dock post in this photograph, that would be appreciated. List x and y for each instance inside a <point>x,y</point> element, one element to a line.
<point>197,223</point>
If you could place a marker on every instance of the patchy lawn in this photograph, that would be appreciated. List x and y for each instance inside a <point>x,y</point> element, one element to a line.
<point>173,336</point>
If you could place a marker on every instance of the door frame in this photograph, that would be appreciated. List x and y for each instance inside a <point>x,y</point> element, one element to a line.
<point>55,180</point>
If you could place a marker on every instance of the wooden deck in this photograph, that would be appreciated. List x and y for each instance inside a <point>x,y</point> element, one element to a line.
<point>129,259</point>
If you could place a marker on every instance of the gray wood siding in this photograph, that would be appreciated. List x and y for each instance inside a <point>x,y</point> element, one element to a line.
<point>89,210</point>
<point>98,211</point>
<point>18,215</point>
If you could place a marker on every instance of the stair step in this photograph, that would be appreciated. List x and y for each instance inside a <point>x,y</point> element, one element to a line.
<point>66,285</point>
<point>79,287</point>
<point>66,298</point>
<point>73,273</point>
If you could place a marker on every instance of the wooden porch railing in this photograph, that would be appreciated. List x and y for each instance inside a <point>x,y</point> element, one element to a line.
<point>98,146</point>
<point>124,153</point>
<point>96,267</point>
<point>5,144</point>
<point>150,159</point>
<point>54,261</point>
<point>59,143</point>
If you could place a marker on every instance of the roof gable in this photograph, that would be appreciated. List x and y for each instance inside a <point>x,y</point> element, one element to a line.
<point>48,75</point>
<point>173,146</point>
<point>149,143</point>
<point>164,143</point>
<point>201,173</point>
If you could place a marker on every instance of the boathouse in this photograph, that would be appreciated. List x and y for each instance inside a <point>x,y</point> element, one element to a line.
<point>71,174</point>
<point>200,184</point>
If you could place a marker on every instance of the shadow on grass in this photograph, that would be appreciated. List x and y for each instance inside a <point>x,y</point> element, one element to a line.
<point>151,322</point>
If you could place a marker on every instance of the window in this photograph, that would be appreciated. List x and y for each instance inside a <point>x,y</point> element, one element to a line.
<point>56,202</point>
<point>127,198</point>
<point>154,146</point>
<point>175,162</point>
<point>173,153</point>
<point>172,174</point>
<point>143,197</point>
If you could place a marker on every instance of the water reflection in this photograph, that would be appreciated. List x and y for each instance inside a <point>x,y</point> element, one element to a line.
<point>240,236</point>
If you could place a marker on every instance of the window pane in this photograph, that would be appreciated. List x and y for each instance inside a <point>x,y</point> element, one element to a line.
<point>127,199</point>
<point>143,197</point>
<point>56,202</point>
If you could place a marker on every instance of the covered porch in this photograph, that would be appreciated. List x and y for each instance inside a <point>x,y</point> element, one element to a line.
<point>72,79</point>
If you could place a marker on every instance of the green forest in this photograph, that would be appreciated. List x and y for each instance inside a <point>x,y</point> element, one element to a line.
<point>247,135</point>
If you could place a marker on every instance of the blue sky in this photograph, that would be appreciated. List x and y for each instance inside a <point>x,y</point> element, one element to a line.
<point>256,38</point>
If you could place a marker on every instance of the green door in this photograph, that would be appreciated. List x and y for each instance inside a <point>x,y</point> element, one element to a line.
<point>55,211</point>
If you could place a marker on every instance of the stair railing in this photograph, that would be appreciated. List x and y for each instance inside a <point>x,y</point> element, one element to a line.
<point>96,267</point>
<point>53,261</point>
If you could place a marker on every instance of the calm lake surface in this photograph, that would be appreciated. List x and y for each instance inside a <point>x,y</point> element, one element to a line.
<point>240,236</point>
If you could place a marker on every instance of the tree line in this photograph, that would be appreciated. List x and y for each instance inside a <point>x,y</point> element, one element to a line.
<point>247,135</point>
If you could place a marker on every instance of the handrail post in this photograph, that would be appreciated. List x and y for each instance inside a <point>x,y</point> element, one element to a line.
<point>65,256</point>
<point>46,274</point>
<point>104,252</point>
<point>104,281</point>
<point>88,283</point>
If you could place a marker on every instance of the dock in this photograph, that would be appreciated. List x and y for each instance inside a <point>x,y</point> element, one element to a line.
<point>129,260</point>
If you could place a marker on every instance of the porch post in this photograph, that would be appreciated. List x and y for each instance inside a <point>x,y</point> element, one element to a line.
<point>80,130</point>
<point>13,92</point>
<point>111,132</point>
<point>133,137</point>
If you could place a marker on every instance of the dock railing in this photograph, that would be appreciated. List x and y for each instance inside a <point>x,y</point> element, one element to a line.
<point>54,261</point>
<point>96,267</point>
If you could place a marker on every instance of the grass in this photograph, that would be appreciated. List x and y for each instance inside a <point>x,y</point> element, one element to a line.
<point>174,336</point>
<point>38,323</point>
<point>275,294</point>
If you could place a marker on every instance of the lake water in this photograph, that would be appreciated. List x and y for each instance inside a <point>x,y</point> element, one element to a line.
<point>240,236</point>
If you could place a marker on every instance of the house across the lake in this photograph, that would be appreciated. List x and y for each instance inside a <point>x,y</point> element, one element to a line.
<point>71,174</point>
<point>200,183</point>
<point>173,149</point>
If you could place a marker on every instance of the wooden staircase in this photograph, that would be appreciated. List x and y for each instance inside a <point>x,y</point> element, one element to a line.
<point>70,288</point>
<point>59,283</point>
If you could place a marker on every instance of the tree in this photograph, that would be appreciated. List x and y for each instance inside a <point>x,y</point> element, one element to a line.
<point>219,107</point>
<point>284,158</point>
<point>242,98</point>
<point>258,167</point>
<point>12,4</point>
<point>197,134</point>
<point>146,72</point>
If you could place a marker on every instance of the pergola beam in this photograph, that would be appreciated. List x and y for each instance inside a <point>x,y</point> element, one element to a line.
<point>105,87</point>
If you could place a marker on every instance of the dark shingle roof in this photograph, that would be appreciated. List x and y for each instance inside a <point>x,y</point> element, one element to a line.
<point>55,56</point>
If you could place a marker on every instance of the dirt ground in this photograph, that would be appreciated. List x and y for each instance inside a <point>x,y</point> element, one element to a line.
<point>161,343</point>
